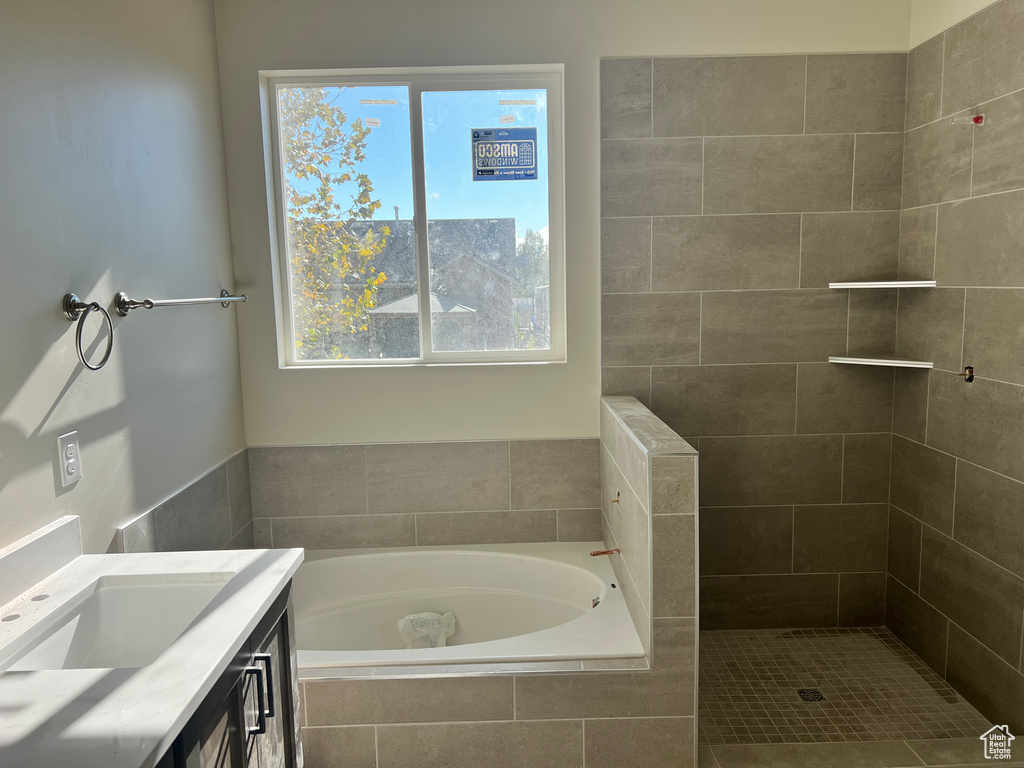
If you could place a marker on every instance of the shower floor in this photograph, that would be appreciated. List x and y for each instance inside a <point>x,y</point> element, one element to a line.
<point>798,686</point>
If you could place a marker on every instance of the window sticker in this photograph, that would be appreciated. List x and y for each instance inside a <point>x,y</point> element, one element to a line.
<point>504,154</point>
<point>506,119</point>
<point>384,102</point>
<point>372,122</point>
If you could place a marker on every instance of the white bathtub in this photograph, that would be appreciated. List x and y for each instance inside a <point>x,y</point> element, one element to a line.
<point>512,603</point>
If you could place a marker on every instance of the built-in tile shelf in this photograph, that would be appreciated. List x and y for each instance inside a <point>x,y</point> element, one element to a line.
<point>887,361</point>
<point>886,284</point>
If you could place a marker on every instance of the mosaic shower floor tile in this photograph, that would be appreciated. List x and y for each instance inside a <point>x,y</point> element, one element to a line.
<point>789,686</point>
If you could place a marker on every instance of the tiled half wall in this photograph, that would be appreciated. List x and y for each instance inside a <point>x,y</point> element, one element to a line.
<point>596,717</point>
<point>648,490</point>
<point>956,525</point>
<point>732,191</point>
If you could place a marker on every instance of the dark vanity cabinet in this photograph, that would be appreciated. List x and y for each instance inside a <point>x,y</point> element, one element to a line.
<point>248,719</point>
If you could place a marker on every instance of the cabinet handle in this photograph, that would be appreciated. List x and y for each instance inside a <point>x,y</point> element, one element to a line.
<point>268,661</point>
<point>261,717</point>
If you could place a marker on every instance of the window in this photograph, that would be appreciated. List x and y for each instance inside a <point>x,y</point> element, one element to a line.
<point>419,215</point>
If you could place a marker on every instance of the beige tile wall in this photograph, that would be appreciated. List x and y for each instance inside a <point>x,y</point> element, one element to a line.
<point>597,718</point>
<point>956,528</point>
<point>214,512</point>
<point>405,494</point>
<point>733,191</point>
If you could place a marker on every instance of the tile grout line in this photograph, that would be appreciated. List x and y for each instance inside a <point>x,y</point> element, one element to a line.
<point>963,333</point>
<point>792,540</point>
<point>803,291</point>
<point>907,743</point>
<point>906,99</point>
<point>974,552</point>
<point>508,455</point>
<point>735,214</point>
<point>956,477</point>
<point>896,342</point>
<point>700,338</point>
<point>839,591</point>
<point>796,401</point>
<point>849,305</point>
<point>974,136</point>
<point>806,69</point>
<point>715,136</point>
<point>800,256</point>
<point>366,477</point>
<point>920,561</point>
<point>885,581</point>
<point>441,723</point>
<point>942,76</point>
<point>927,404</point>
<point>650,272</point>
<point>842,470</point>
<point>945,659</point>
<point>853,172</point>
<point>1020,656</point>
<point>784,362</point>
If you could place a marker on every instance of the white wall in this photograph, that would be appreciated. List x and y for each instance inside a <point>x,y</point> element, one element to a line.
<point>111,177</point>
<point>930,17</point>
<point>330,406</point>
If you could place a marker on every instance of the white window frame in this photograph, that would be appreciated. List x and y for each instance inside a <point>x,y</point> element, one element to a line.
<point>418,80</point>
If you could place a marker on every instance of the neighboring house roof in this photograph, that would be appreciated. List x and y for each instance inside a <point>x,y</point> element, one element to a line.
<point>409,305</point>
<point>490,242</point>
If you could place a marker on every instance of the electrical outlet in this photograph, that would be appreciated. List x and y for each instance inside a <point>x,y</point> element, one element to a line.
<point>69,458</point>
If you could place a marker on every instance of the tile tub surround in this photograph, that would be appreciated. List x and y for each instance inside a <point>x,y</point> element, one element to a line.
<point>511,721</point>
<point>956,534</point>
<point>405,494</point>
<point>213,512</point>
<point>716,311</point>
<point>503,718</point>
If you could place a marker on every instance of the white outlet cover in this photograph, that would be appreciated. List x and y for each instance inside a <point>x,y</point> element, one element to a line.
<point>69,459</point>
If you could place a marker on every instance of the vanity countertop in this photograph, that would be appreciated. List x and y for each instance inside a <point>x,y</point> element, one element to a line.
<point>127,718</point>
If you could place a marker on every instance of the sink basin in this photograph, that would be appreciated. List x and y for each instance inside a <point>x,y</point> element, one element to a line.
<point>121,622</point>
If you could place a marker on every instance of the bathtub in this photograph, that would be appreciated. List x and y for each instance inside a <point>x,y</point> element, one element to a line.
<point>512,603</point>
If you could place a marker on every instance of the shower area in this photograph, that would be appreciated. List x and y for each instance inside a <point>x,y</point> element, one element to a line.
<point>811,271</point>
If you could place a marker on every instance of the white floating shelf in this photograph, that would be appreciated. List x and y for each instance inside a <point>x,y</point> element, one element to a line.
<point>887,361</point>
<point>886,284</point>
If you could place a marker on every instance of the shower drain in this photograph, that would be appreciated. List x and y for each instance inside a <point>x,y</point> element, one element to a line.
<point>811,694</point>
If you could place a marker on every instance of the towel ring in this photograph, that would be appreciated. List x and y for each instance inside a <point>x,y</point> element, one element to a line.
<point>76,309</point>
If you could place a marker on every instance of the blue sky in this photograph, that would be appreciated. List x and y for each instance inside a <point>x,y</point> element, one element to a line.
<point>448,119</point>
